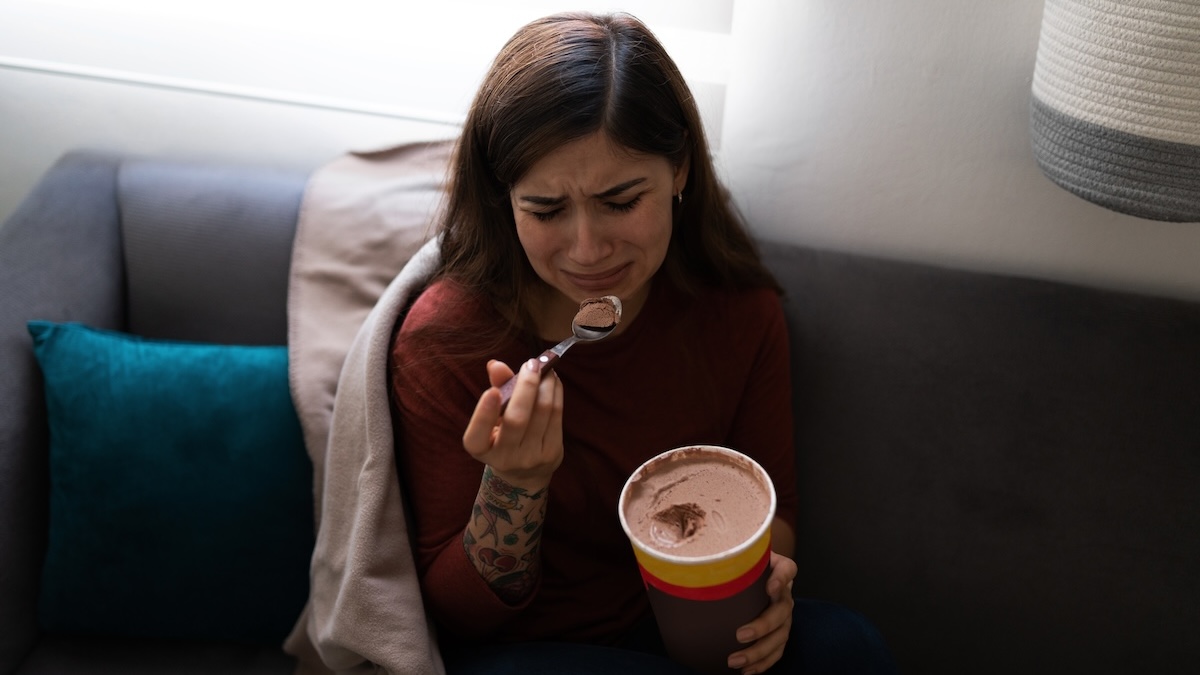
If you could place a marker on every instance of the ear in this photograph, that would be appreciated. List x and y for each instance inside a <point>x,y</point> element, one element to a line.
<point>681,174</point>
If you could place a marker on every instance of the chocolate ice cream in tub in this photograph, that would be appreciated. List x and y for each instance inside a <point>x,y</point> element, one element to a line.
<point>699,519</point>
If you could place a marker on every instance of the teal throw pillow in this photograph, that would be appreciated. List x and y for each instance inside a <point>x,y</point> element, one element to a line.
<point>180,491</point>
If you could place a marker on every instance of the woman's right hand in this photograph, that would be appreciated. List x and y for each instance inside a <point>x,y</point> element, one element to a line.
<point>523,443</point>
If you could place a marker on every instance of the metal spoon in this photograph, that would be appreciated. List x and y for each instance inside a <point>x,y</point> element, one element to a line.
<point>579,333</point>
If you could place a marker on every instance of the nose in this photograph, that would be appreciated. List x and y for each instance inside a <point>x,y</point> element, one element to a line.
<point>591,243</point>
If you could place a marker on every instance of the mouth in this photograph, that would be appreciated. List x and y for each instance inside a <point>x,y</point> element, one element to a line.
<point>599,281</point>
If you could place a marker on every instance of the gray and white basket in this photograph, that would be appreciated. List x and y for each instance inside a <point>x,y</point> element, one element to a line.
<point>1115,112</point>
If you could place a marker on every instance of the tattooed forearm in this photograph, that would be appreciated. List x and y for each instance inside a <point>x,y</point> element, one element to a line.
<point>503,536</point>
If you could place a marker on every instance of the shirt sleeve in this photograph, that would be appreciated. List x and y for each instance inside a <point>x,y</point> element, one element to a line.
<point>434,394</point>
<point>763,419</point>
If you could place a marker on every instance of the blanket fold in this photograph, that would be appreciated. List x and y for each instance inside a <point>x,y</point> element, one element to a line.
<point>362,252</point>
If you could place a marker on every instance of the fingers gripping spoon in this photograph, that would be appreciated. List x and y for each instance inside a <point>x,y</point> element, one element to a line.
<point>596,318</point>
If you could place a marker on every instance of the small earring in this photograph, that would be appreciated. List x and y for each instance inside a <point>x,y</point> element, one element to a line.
<point>679,196</point>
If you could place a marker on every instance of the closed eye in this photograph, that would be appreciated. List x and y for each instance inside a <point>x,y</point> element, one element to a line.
<point>545,216</point>
<point>623,207</point>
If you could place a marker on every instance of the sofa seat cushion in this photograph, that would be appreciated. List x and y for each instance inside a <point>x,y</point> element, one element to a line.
<point>180,491</point>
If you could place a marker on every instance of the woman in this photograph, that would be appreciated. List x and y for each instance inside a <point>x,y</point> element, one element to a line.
<point>582,171</point>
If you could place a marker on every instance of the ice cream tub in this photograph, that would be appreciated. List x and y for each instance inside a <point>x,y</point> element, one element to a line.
<point>699,520</point>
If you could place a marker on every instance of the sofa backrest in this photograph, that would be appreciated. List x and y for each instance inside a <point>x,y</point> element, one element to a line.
<point>1000,472</point>
<point>207,250</point>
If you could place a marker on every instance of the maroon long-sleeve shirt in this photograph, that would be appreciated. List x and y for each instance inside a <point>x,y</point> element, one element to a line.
<point>709,369</point>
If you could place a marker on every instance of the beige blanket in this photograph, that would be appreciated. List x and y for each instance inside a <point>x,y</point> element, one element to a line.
<point>362,217</point>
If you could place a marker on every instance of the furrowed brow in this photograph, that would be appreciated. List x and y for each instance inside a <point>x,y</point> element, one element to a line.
<point>618,189</point>
<point>542,201</point>
<point>613,191</point>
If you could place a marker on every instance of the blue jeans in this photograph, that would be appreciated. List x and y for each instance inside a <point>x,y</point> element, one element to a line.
<point>826,639</point>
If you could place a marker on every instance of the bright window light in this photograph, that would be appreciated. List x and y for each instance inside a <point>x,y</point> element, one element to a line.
<point>417,60</point>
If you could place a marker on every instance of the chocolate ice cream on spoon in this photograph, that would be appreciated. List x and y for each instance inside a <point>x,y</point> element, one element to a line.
<point>596,318</point>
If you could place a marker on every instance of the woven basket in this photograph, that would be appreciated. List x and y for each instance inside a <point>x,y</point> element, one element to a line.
<point>1115,114</point>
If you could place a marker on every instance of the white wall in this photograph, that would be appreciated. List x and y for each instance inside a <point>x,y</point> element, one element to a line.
<point>288,83</point>
<point>895,128</point>
<point>901,128</point>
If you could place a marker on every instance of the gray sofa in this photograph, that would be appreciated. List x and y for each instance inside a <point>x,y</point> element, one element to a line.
<point>1000,472</point>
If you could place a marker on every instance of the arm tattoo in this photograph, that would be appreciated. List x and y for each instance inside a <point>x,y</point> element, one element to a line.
<point>503,537</point>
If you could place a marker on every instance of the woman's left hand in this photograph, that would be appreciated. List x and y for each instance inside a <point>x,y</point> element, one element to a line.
<point>767,635</point>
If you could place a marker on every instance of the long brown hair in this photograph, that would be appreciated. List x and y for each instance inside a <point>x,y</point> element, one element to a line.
<point>559,79</point>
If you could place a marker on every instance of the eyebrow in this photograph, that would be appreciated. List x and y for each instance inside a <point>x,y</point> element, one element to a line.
<point>610,192</point>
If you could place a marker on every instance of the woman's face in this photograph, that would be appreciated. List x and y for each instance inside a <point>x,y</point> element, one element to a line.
<point>595,219</point>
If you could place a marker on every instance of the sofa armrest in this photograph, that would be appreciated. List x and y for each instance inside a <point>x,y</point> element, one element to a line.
<point>60,260</point>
